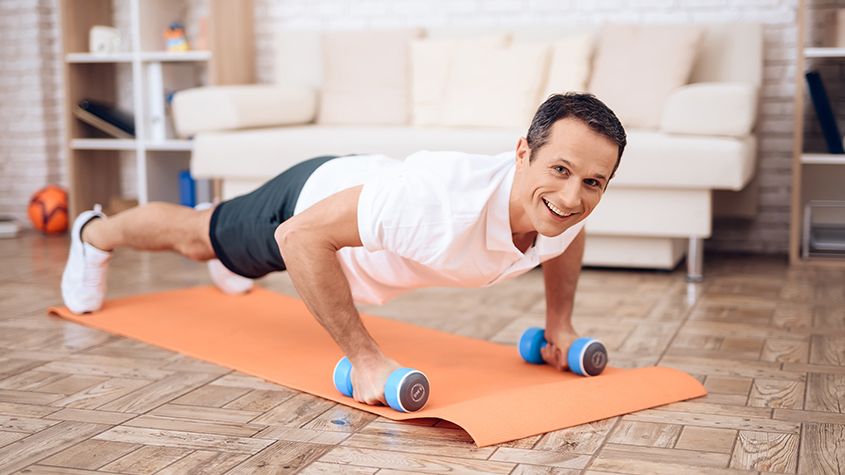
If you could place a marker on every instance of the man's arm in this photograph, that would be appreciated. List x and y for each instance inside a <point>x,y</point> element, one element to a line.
<point>308,243</point>
<point>561,278</point>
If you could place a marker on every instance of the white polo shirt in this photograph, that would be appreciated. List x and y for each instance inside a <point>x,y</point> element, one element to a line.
<point>436,219</point>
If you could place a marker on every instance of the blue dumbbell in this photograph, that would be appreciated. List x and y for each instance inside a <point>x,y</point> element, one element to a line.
<point>406,389</point>
<point>586,356</point>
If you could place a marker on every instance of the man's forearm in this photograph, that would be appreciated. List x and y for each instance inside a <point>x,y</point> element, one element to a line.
<point>561,279</point>
<point>319,279</point>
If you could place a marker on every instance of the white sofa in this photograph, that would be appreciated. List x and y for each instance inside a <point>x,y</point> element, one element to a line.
<point>657,208</point>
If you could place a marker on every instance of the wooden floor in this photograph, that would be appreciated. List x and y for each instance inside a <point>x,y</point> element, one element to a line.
<point>768,342</point>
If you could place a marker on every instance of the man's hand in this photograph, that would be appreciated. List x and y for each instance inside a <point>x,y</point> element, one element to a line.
<point>559,341</point>
<point>369,375</point>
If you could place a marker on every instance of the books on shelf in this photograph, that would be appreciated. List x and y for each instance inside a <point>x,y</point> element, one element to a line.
<point>104,117</point>
<point>824,112</point>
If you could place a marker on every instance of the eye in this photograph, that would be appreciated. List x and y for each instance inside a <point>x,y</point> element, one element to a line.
<point>592,182</point>
<point>560,169</point>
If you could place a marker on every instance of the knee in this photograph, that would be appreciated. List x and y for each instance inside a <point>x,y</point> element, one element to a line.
<point>196,250</point>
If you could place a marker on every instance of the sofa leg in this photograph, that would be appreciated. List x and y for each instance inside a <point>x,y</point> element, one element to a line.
<point>695,260</point>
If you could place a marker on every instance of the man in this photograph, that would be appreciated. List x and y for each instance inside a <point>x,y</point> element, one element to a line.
<point>367,228</point>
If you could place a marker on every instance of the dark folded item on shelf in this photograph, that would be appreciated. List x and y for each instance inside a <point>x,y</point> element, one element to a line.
<point>107,118</point>
<point>824,112</point>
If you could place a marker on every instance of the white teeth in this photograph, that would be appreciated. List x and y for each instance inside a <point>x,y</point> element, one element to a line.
<point>556,210</point>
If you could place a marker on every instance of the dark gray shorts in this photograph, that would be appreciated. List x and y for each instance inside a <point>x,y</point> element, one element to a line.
<point>242,228</point>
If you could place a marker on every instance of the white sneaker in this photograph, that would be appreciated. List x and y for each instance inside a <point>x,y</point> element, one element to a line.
<point>84,278</point>
<point>227,281</point>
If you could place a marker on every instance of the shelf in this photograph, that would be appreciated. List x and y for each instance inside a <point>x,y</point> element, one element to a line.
<point>822,159</point>
<point>824,52</point>
<point>173,145</point>
<point>164,56</point>
<point>102,144</point>
<point>145,56</point>
<point>99,58</point>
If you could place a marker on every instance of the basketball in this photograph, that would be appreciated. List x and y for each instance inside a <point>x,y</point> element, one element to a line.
<point>48,210</point>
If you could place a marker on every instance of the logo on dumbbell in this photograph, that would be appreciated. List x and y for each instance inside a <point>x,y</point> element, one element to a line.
<point>417,392</point>
<point>598,359</point>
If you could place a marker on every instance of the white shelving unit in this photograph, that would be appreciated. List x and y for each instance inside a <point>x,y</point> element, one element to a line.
<point>816,177</point>
<point>94,160</point>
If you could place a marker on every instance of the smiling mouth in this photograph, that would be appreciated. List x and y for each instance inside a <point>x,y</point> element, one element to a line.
<point>555,210</point>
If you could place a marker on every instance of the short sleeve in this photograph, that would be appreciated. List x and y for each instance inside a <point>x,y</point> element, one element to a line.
<point>404,212</point>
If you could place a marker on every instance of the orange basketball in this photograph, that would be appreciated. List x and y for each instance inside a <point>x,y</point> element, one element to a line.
<point>48,210</point>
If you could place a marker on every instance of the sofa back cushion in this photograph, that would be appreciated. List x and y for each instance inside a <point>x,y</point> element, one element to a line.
<point>432,60</point>
<point>570,64</point>
<point>730,52</point>
<point>298,59</point>
<point>637,66</point>
<point>495,86</point>
<point>366,77</point>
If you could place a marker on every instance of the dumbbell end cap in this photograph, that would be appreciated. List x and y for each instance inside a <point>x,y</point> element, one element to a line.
<point>341,376</point>
<point>587,357</point>
<point>407,390</point>
<point>532,341</point>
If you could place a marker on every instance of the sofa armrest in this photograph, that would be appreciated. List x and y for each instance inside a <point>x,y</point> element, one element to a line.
<point>216,108</point>
<point>713,108</point>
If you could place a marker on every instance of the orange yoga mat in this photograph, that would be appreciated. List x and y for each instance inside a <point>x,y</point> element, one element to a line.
<point>483,387</point>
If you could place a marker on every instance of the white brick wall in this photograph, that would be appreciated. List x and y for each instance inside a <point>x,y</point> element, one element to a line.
<point>31,155</point>
<point>31,132</point>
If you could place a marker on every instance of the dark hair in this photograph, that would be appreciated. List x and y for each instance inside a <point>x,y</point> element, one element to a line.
<point>584,107</point>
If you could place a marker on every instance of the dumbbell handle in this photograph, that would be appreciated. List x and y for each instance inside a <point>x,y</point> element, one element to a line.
<point>586,356</point>
<point>406,389</point>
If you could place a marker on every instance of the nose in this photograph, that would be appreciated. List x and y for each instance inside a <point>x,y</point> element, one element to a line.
<point>570,197</point>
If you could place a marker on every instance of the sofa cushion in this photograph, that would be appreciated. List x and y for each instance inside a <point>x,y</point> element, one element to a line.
<point>491,86</point>
<point>569,67</point>
<point>366,77</point>
<point>239,107</point>
<point>431,62</point>
<point>637,67</point>
<point>657,160</point>
<point>711,109</point>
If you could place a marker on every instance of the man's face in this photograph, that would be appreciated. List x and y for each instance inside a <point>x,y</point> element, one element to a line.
<point>566,177</point>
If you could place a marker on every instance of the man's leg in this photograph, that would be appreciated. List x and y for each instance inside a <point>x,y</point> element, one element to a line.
<point>154,227</point>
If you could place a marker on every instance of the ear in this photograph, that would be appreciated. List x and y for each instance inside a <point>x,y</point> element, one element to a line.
<point>523,152</point>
